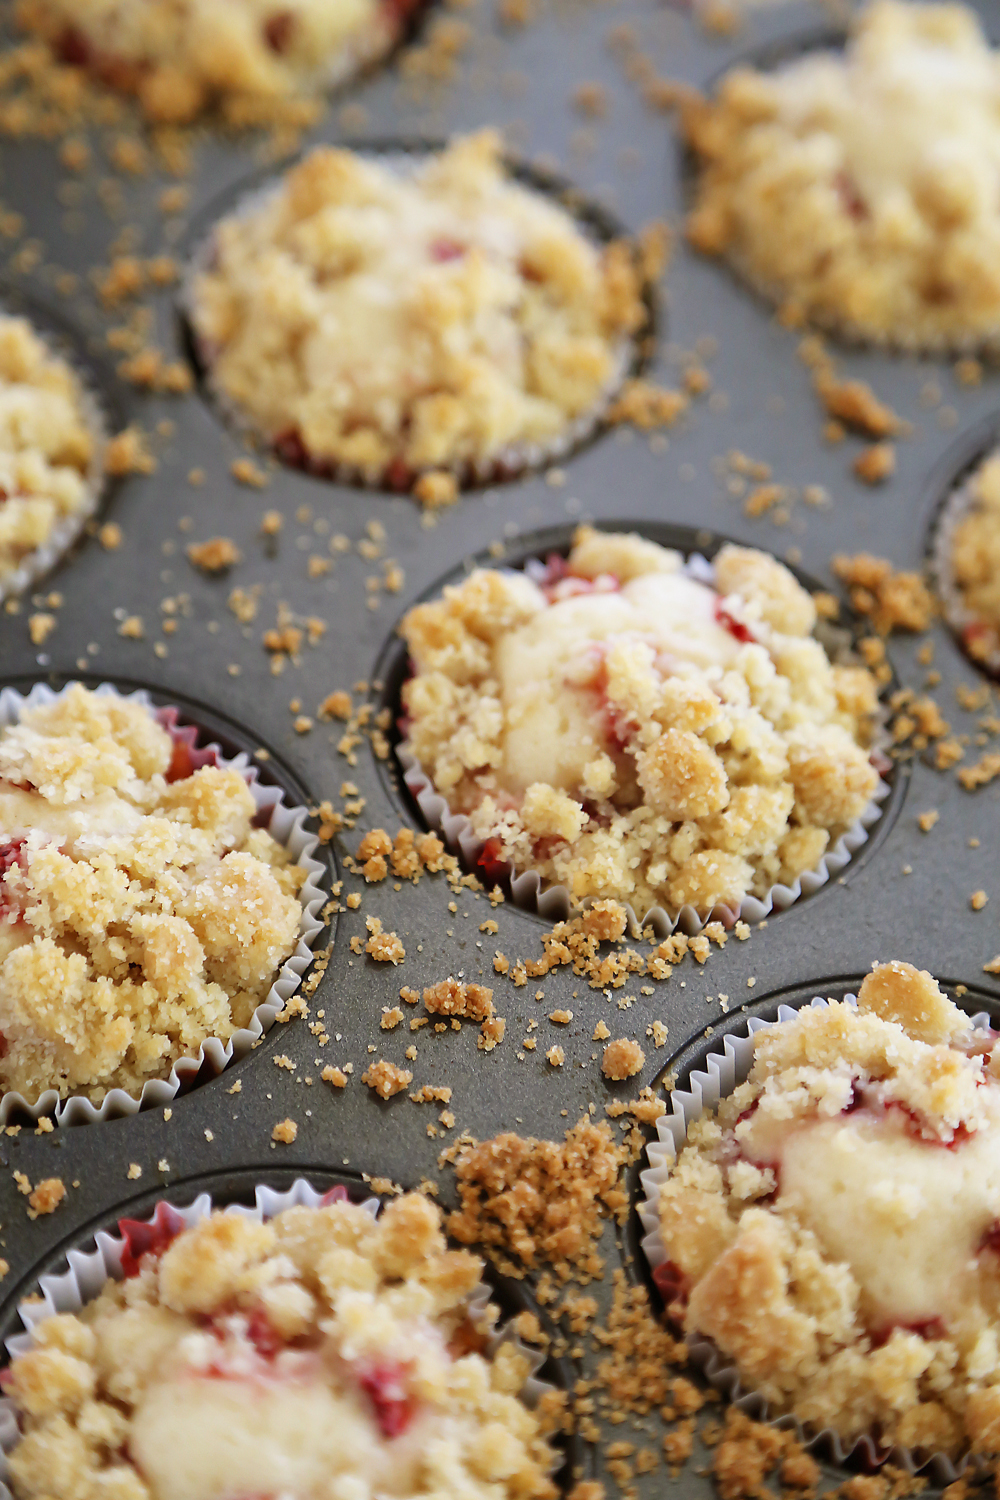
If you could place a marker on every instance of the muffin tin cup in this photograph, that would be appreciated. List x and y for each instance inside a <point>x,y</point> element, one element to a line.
<point>36,563</point>
<point>725,1069</point>
<point>953,607</point>
<point>556,904</point>
<point>511,462</point>
<point>88,1271</point>
<point>287,826</point>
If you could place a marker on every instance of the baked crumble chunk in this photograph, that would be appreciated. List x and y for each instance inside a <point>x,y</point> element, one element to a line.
<point>140,910</point>
<point>47,448</point>
<point>401,315</point>
<point>631,732</point>
<point>835,1226</point>
<point>861,189</point>
<point>318,1356</point>
<point>182,57</point>
<point>975,562</point>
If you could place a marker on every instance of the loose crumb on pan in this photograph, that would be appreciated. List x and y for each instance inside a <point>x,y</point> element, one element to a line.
<point>214,556</point>
<point>622,1059</point>
<point>285,1132</point>
<point>531,1202</point>
<point>891,600</point>
<point>385,1079</point>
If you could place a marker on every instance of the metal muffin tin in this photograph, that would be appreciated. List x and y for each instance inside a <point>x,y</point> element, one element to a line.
<point>905,895</point>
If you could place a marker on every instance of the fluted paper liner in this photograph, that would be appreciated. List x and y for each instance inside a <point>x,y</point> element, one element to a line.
<point>40,560</point>
<point>287,826</point>
<point>89,1270</point>
<point>509,463</point>
<point>725,1069</point>
<point>954,608</point>
<point>556,904</point>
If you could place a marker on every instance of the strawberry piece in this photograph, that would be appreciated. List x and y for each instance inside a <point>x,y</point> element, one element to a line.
<point>735,627</point>
<point>670,1282</point>
<point>148,1238</point>
<point>394,1406</point>
<point>181,762</point>
<point>11,854</point>
<point>445,249</point>
<point>262,1334</point>
<point>490,860</point>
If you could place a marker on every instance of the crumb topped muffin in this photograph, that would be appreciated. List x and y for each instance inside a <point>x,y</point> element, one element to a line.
<point>834,1226</point>
<point>861,190</point>
<point>631,731</point>
<point>246,57</point>
<point>322,1355</point>
<point>48,453</point>
<point>141,911</point>
<point>384,317</point>
<point>972,563</point>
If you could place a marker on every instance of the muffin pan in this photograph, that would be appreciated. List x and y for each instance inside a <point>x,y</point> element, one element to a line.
<point>904,894</point>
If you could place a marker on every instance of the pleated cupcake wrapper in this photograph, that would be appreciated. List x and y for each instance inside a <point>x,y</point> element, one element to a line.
<point>556,904</point>
<point>953,607</point>
<point>287,826</point>
<point>725,1069</point>
<point>40,560</point>
<point>88,1271</point>
<point>508,464</point>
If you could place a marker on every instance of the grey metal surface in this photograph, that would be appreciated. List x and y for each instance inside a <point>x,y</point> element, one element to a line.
<point>906,895</point>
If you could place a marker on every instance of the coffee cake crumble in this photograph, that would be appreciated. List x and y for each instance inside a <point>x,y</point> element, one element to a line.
<point>831,1226</point>
<point>630,731</point>
<point>140,909</point>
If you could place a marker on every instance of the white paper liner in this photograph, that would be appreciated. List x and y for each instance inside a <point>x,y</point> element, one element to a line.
<point>953,607</point>
<point>556,904</point>
<point>287,827</point>
<point>725,1069</point>
<point>504,465</point>
<point>89,1270</point>
<point>40,560</point>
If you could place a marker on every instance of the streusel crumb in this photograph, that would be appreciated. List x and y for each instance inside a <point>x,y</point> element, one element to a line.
<point>140,909</point>
<point>532,1202</point>
<point>320,1353</point>
<point>634,733</point>
<point>393,319</point>
<point>832,1226</point>
<point>975,562</point>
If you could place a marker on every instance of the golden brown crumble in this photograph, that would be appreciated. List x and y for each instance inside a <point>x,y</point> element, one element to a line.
<point>385,1079</point>
<point>532,1202</point>
<point>974,562</point>
<point>622,1059</point>
<point>214,556</point>
<point>892,600</point>
<point>876,464</point>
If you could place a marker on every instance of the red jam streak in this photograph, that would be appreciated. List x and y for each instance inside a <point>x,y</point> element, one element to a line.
<point>991,1238</point>
<point>925,1328</point>
<point>394,1407</point>
<point>736,628</point>
<point>149,1238</point>
<point>445,249</point>
<point>11,854</point>
<point>491,860</point>
<point>267,1342</point>
<point>181,762</point>
<point>670,1282</point>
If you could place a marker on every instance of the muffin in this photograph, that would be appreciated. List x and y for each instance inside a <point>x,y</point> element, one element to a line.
<point>834,1226</point>
<point>248,58</point>
<point>49,455</point>
<point>861,189</point>
<point>141,911</point>
<point>969,563</point>
<point>632,731</point>
<point>375,318</point>
<point>321,1354</point>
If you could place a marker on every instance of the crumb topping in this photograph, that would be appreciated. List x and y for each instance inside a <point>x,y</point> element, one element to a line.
<point>47,449</point>
<point>140,909</point>
<point>332,1351</point>
<point>396,319</point>
<point>633,733</point>
<point>833,1225</point>
<point>860,189</point>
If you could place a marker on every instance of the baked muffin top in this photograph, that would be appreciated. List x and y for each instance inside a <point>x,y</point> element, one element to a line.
<point>319,1355</point>
<point>392,316</point>
<point>47,446</point>
<point>632,731</point>
<point>834,1226</point>
<point>861,189</point>
<point>140,910</point>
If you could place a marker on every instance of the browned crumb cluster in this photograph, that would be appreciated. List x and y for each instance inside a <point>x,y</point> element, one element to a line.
<point>214,556</point>
<point>622,1059</point>
<point>385,1079</point>
<point>533,1202</point>
<point>891,600</point>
